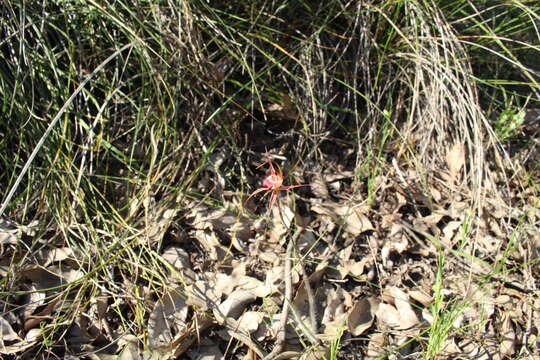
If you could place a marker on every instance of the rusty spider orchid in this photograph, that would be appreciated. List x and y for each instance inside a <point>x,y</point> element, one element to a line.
<point>273,183</point>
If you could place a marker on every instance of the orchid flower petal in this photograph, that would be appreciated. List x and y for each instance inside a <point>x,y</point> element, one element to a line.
<point>256,192</point>
<point>273,199</point>
<point>288,187</point>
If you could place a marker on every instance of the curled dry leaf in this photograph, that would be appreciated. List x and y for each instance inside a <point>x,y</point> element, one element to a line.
<point>455,159</point>
<point>353,268</point>
<point>50,277</point>
<point>318,186</point>
<point>301,299</point>
<point>130,347</point>
<point>388,315</point>
<point>361,316</point>
<point>238,280</point>
<point>255,286</point>
<point>508,334</point>
<point>211,245</point>
<point>282,218</point>
<point>234,305</point>
<point>179,259</point>
<point>45,313</point>
<point>315,353</point>
<point>376,346</point>
<point>334,315</point>
<point>9,234</point>
<point>8,334</point>
<point>11,343</point>
<point>49,256</point>
<point>274,278</point>
<point>222,220</point>
<point>158,220</point>
<point>203,294</point>
<point>354,219</point>
<point>450,231</point>
<point>209,221</point>
<point>398,313</point>
<point>250,321</point>
<point>421,296</point>
<point>306,240</point>
<point>34,300</point>
<point>168,318</point>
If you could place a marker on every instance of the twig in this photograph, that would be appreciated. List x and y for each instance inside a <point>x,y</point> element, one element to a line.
<point>311,300</point>
<point>282,332</point>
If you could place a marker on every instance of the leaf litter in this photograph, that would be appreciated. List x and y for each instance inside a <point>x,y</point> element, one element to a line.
<point>372,269</point>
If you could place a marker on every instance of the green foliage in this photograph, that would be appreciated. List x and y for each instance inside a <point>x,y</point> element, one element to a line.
<point>508,122</point>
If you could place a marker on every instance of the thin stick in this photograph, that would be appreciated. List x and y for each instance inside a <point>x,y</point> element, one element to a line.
<point>282,332</point>
<point>311,299</point>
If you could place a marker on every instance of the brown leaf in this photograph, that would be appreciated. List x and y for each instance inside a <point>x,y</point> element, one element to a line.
<point>361,315</point>
<point>318,186</point>
<point>8,334</point>
<point>179,259</point>
<point>398,313</point>
<point>11,343</point>
<point>353,218</point>
<point>250,320</point>
<point>376,346</point>
<point>130,350</point>
<point>52,276</point>
<point>334,315</point>
<point>508,343</point>
<point>167,318</point>
<point>48,256</point>
<point>9,234</point>
<point>388,315</point>
<point>234,305</point>
<point>455,159</point>
<point>203,294</point>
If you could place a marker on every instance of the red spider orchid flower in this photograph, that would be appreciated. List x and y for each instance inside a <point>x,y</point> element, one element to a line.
<point>273,183</point>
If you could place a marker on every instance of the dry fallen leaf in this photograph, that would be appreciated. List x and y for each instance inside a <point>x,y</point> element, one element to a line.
<point>250,320</point>
<point>376,346</point>
<point>11,343</point>
<point>50,277</point>
<point>179,259</point>
<point>388,315</point>
<point>354,219</point>
<point>9,234</point>
<point>8,334</point>
<point>203,294</point>
<point>130,347</point>
<point>455,159</point>
<point>234,305</point>
<point>361,315</point>
<point>207,350</point>
<point>508,341</point>
<point>398,313</point>
<point>318,186</point>
<point>167,319</point>
<point>274,278</point>
<point>334,315</point>
<point>238,280</point>
<point>49,256</point>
